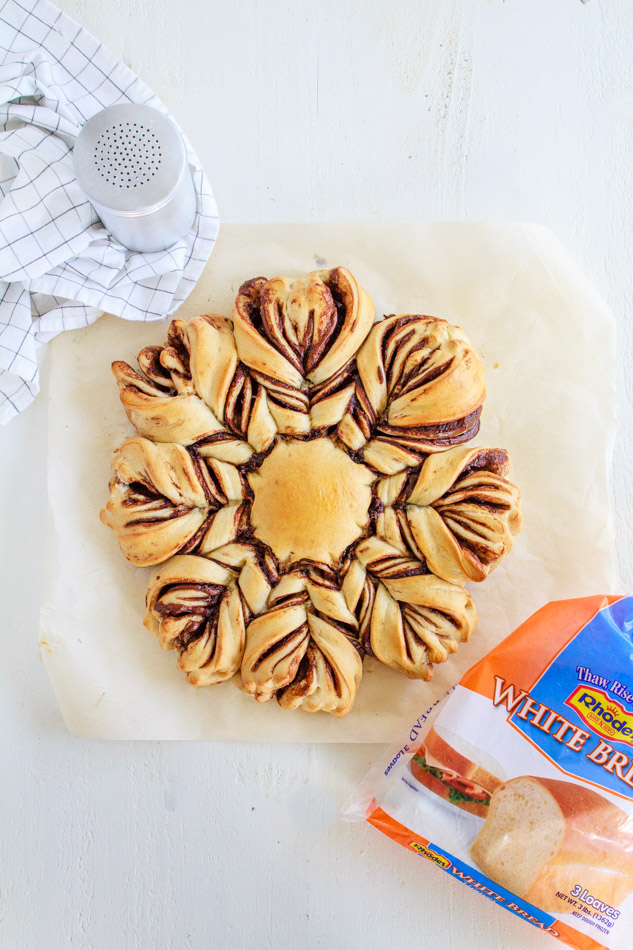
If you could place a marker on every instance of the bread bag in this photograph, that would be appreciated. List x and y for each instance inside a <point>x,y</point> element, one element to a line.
<point>519,783</point>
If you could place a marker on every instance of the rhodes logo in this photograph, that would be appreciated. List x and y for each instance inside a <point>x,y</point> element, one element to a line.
<point>430,854</point>
<point>602,713</point>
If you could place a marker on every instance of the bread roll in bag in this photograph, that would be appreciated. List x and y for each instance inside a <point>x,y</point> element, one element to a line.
<point>542,835</point>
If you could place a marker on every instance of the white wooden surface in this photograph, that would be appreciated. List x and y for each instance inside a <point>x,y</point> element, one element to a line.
<point>336,110</point>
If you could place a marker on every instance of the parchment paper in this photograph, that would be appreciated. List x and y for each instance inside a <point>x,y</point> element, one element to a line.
<point>547,341</point>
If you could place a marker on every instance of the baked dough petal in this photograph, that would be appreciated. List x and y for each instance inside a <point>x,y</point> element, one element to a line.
<point>460,514</point>
<point>304,648</point>
<point>194,606</point>
<point>330,673</point>
<point>165,500</point>
<point>195,391</point>
<point>420,390</point>
<point>296,335</point>
<point>163,416</point>
<point>417,619</point>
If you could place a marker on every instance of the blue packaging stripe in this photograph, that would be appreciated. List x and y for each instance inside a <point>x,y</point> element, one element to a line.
<point>494,892</point>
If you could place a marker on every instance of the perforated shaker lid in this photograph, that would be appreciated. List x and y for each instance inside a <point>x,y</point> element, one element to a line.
<point>129,159</point>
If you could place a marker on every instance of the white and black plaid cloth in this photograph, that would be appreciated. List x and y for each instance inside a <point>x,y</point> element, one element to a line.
<point>59,268</point>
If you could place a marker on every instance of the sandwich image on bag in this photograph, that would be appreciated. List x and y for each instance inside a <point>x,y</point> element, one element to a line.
<point>457,771</point>
<point>558,845</point>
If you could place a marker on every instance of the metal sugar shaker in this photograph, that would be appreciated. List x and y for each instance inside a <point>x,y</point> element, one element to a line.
<point>131,161</point>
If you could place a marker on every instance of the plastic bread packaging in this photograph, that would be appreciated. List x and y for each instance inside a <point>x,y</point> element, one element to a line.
<point>519,782</point>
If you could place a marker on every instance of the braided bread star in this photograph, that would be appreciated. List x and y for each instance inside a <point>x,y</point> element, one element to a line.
<point>300,486</point>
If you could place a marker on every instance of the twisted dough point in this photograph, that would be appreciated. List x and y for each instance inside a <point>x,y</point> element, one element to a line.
<point>162,404</point>
<point>257,571</point>
<point>359,592</point>
<point>165,500</point>
<point>161,415</point>
<point>195,391</point>
<point>420,390</point>
<point>194,606</point>
<point>200,607</point>
<point>459,514</point>
<point>224,385</point>
<point>417,619</point>
<point>301,649</point>
<point>294,334</point>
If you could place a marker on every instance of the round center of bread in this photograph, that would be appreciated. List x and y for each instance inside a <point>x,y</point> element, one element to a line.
<point>311,501</point>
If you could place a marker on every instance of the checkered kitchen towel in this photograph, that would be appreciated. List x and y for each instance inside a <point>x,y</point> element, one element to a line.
<point>59,268</point>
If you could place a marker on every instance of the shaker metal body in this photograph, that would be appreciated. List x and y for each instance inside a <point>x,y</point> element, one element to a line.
<point>131,161</point>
